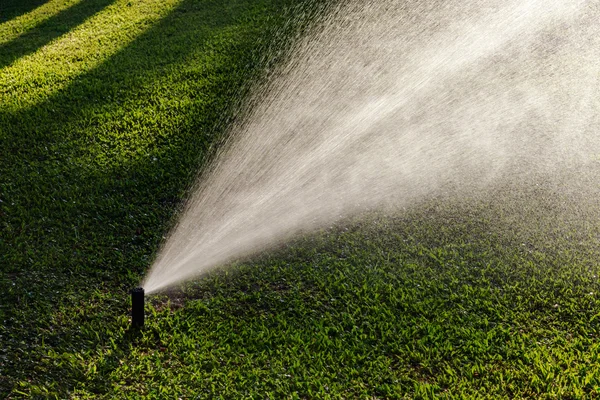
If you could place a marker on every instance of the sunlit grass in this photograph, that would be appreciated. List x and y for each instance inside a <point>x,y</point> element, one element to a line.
<point>34,78</point>
<point>15,27</point>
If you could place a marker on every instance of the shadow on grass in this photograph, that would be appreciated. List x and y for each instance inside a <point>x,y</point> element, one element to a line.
<point>92,175</point>
<point>10,9</point>
<point>49,30</point>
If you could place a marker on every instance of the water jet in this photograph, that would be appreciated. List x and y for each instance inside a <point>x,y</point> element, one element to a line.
<point>137,307</point>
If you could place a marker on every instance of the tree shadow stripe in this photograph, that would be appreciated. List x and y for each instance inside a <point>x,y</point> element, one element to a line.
<point>12,9</point>
<point>49,30</point>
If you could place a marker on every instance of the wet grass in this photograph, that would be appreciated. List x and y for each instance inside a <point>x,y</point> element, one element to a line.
<point>108,109</point>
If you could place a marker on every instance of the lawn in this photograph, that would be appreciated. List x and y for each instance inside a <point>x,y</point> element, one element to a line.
<point>108,111</point>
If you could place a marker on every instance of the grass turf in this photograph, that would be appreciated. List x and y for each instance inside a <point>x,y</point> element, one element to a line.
<point>107,110</point>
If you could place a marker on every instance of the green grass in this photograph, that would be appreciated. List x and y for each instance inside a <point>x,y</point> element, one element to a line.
<point>107,111</point>
<point>10,9</point>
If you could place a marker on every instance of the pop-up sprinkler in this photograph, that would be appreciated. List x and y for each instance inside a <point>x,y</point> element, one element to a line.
<point>137,307</point>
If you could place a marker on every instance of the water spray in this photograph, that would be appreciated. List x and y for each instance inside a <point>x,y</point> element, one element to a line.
<point>137,307</point>
<point>389,103</point>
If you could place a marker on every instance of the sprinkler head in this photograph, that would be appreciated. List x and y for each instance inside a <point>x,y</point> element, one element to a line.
<point>137,307</point>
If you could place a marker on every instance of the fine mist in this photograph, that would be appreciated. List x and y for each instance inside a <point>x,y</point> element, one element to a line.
<point>388,102</point>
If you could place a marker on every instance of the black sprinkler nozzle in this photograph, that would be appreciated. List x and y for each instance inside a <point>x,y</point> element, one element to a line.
<point>137,307</point>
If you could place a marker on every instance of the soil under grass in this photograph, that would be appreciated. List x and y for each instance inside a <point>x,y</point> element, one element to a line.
<point>108,108</point>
